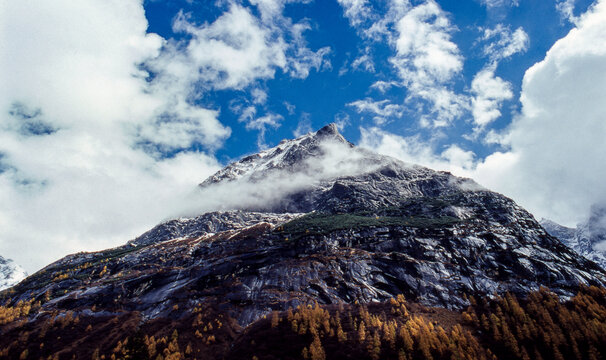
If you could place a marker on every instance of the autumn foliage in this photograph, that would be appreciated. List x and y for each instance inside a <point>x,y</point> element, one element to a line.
<point>540,326</point>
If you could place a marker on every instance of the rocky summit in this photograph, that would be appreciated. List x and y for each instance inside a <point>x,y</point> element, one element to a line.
<point>317,219</point>
<point>314,220</point>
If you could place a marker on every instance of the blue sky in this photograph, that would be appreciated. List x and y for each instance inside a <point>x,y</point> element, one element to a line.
<point>111,111</point>
<point>326,94</point>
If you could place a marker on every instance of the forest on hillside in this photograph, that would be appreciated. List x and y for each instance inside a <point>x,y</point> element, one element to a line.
<point>541,326</point>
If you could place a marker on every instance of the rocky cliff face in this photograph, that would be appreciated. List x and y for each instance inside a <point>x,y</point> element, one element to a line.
<point>317,219</point>
<point>588,239</point>
<point>10,273</point>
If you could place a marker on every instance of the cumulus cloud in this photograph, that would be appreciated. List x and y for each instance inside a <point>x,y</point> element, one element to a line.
<point>239,48</point>
<point>553,163</point>
<point>234,52</point>
<point>428,63</point>
<point>77,173</point>
<point>94,150</point>
<point>425,53</point>
<point>489,91</point>
<point>559,136</point>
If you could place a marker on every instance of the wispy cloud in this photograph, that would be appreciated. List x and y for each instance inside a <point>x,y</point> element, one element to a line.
<point>489,91</point>
<point>254,190</point>
<point>357,11</point>
<point>502,43</point>
<point>425,58</point>
<point>499,3</point>
<point>566,10</point>
<point>382,110</point>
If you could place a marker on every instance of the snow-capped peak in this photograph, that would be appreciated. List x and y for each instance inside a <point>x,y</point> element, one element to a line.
<point>10,273</point>
<point>288,154</point>
<point>589,237</point>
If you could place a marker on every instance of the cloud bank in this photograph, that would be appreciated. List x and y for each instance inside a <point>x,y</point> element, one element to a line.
<point>102,134</point>
<point>553,163</point>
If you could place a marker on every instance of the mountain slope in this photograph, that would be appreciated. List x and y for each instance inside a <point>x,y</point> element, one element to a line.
<point>313,220</point>
<point>588,239</point>
<point>317,219</point>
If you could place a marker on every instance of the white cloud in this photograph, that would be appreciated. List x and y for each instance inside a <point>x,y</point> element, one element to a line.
<point>79,178</point>
<point>290,108</point>
<point>427,61</point>
<point>363,62</point>
<point>566,10</point>
<point>383,86</point>
<point>238,48</point>
<point>342,120</point>
<point>234,52</point>
<point>231,52</point>
<point>248,115</point>
<point>304,125</point>
<point>559,137</point>
<point>256,189</point>
<point>499,3</point>
<point>425,53</point>
<point>261,124</point>
<point>357,11</point>
<point>83,130</point>
<point>489,91</point>
<point>383,110</point>
<point>502,43</point>
<point>554,163</point>
<point>259,96</point>
<point>415,150</point>
<point>384,21</point>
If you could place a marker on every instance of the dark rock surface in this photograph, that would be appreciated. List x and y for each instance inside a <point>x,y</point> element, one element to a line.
<point>383,229</point>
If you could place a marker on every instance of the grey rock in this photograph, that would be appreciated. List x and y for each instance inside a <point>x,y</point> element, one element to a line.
<point>385,229</point>
<point>588,239</point>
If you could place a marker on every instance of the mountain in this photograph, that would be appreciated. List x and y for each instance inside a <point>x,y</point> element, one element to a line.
<point>588,239</point>
<point>314,220</point>
<point>10,273</point>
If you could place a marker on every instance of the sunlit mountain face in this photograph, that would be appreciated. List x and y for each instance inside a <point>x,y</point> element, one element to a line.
<point>327,249</point>
<point>287,179</point>
<point>148,97</point>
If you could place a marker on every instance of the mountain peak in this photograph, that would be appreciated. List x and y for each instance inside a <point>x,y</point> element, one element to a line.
<point>288,155</point>
<point>330,129</point>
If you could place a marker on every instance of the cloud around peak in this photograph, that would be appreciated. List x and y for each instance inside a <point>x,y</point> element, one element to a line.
<point>107,135</point>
